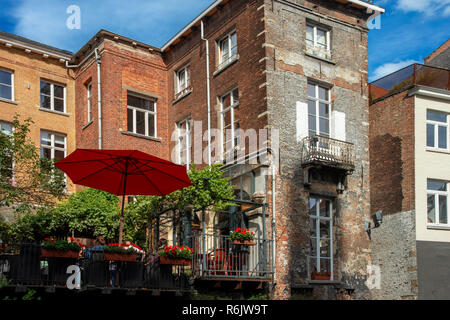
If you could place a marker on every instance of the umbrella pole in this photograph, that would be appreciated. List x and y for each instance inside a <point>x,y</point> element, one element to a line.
<point>123,203</point>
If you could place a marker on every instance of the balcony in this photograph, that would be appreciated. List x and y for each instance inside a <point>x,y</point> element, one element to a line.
<point>217,258</point>
<point>21,265</point>
<point>324,151</point>
<point>408,77</point>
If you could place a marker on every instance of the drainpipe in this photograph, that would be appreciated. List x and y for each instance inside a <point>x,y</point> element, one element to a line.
<point>274,249</point>
<point>208,99</point>
<point>99,95</point>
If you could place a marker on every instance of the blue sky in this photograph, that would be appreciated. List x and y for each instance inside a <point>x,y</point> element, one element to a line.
<point>410,29</point>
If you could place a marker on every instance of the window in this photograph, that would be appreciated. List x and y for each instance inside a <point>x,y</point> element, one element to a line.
<point>141,115</point>
<point>317,36</point>
<point>321,235</point>
<point>53,146</point>
<point>184,142</point>
<point>182,79</point>
<point>7,158</point>
<point>6,85</point>
<point>437,202</point>
<point>229,107</point>
<point>437,130</point>
<point>52,96</point>
<point>227,50</point>
<point>89,102</point>
<point>318,110</point>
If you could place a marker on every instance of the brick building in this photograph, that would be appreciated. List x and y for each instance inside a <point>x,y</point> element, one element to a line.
<point>409,116</point>
<point>293,74</point>
<point>35,84</point>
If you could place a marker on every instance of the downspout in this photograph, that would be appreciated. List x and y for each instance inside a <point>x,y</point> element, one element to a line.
<point>99,95</point>
<point>274,249</point>
<point>208,98</point>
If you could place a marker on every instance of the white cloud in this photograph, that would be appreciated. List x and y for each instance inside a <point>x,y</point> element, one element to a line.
<point>389,68</point>
<point>428,7</point>
<point>151,21</point>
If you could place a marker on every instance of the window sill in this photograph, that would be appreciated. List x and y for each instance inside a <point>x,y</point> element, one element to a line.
<point>55,112</point>
<point>87,125</point>
<point>181,95</point>
<point>225,66</point>
<point>137,135</point>
<point>8,101</point>
<point>438,227</point>
<point>308,54</point>
<point>438,150</point>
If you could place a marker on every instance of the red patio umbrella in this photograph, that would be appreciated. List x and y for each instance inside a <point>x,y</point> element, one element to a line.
<point>124,172</point>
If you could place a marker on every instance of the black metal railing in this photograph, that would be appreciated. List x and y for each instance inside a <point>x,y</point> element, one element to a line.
<point>217,257</point>
<point>22,264</point>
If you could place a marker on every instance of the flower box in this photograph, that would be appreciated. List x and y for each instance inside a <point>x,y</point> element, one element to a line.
<point>51,253</point>
<point>119,256</point>
<point>321,276</point>
<point>174,261</point>
<point>244,242</point>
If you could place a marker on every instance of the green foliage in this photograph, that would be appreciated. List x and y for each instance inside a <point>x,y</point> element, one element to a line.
<point>177,252</point>
<point>241,235</point>
<point>89,212</point>
<point>61,245</point>
<point>36,182</point>
<point>31,227</point>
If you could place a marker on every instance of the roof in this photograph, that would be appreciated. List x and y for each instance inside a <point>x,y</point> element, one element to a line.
<point>214,6</point>
<point>35,46</point>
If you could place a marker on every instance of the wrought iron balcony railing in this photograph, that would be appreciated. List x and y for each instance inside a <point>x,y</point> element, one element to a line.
<point>327,151</point>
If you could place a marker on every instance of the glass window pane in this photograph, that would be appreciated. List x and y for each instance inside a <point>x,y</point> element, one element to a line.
<point>59,155</point>
<point>312,206</point>
<point>313,246</point>
<point>312,264</point>
<point>324,126</point>
<point>312,123</point>
<point>431,208</point>
<point>443,214</point>
<point>233,41</point>
<point>45,88</point>
<point>45,102</point>
<point>151,124</point>
<point>312,107</point>
<point>46,153</point>
<point>325,248</point>
<point>235,96</point>
<point>436,116</point>
<point>5,92</point>
<point>5,77</point>
<point>226,101</point>
<point>430,135</point>
<point>46,139</point>
<point>325,265</point>
<point>59,141</point>
<point>323,93</point>
<point>130,120</point>
<point>5,128</point>
<point>311,90</point>
<point>140,122</point>
<point>442,137</point>
<point>324,110</point>
<point>321,38</point>
<point>436,185</point>
<point>58,91</point>
<point>310,33</point>
<point>58,104</point>
<point>324,228</point>
<point>324,208</point>
<point>312,227</point>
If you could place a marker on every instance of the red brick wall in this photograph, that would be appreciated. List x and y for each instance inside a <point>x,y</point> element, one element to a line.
<point>392,154</point>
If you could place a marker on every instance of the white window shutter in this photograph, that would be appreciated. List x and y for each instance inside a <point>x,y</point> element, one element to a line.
<point>302,120</point>
<point>338,125</point>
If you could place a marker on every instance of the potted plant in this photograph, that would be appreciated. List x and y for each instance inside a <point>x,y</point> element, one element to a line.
<point>52,248</point>
<point>175,255</point>
<point>242,237</point>
<point>116,252</point>
<point>322,275</point>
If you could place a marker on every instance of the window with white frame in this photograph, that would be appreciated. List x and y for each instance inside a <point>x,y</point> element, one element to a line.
<point>227,50</point>
<point>437,202</point>
<point>321,235</point>
<point>141,115</point>
<point>182,79</point>
<point>89,102</point>
<point>318,110</point>
<point>53,96</point>
<point>317,36</point>
<point>184,142</point>
<point>6,158</point>
<point>6,84</point>
<point>229,107</point>
<point>437,130</point>
<point>53,146</point>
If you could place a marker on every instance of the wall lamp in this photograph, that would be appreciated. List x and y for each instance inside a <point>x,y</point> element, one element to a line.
<point>377,220</point>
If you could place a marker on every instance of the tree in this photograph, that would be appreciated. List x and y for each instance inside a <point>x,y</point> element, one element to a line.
<point>26,180</point>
